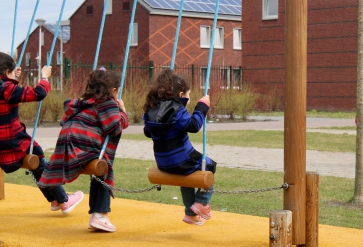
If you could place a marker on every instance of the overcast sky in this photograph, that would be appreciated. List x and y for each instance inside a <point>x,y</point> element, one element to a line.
<point>48,10</point>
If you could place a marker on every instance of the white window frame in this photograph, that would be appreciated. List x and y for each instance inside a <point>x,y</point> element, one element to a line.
<point>59,58</point>
<point>237,38</point>
<point>219,38</point>
<point>205,36</point>
<point>225,77</point>
<point>266,7</point>
<point>135,35</point>
<point>237,71</point>
<point>109,7</point>
<point>27,59</point>
<point>203,76</point>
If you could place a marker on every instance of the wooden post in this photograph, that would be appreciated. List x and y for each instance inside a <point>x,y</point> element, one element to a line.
<point>295,116</point>
<point>312,209</point>
<point>2,184</point>
<point>280,228</point>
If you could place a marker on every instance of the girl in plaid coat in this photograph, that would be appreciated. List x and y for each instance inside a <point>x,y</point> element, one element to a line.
<point>14,140</point>
<point>86,123</point>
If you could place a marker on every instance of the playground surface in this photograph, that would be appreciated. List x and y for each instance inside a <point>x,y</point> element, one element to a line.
<point>26,219</point>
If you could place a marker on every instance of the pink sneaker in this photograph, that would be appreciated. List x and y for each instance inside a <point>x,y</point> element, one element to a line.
<point>54,206</point>
<point>101,222</point>
<point>73,201</point>
<point>201,210</point>
<point>194,220</point>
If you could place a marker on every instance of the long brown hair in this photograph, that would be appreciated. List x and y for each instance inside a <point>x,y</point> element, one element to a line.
<point>100,84</point>
<point>166,86</point>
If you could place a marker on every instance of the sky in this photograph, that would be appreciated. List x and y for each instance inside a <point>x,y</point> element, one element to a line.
<point>49,10</point>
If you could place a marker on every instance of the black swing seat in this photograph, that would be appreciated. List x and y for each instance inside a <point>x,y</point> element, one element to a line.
<point>198,179</point>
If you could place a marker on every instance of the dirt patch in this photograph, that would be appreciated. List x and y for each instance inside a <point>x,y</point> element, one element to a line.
<point>345,204</point>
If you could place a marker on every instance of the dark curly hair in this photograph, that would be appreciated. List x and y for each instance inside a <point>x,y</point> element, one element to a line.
<point>100,84</point>
<point>6,64</point>
<point>166,86</point>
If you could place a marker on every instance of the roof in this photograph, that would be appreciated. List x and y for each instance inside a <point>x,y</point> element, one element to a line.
<point>228,9</point>
<point>66,31</point>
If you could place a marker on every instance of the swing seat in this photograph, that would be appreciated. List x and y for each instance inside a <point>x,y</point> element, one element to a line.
<point>30,162</point>
<point>96,167</point>
<point>198,179</point>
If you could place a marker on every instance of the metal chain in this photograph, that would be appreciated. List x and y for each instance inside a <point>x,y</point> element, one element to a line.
<point>107,186</point>
<point>284,186</point>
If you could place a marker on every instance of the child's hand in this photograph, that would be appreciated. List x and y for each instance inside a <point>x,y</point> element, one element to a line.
<point>205,100</point>
<point>17,71</point>
<point>46,71</point>
<point>121,104</point>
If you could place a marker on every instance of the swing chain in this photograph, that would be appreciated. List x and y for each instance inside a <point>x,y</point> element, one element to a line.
<point>107,186</point>
<point>284,186</point>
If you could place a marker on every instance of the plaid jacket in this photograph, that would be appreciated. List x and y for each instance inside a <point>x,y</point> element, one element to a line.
<point>14,141</point>
<point>85,126</point>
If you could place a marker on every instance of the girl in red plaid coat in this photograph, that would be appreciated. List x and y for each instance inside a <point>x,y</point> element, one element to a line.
<point>86,123</point>
<point>14,140</point>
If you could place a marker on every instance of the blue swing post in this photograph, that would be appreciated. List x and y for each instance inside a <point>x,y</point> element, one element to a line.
<point>199,179</point>
<point>30,161</point>
<point>33,159</point>
<point>124,68</point>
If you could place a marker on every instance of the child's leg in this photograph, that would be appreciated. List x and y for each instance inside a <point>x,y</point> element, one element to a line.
<point>203,197</point>
<point>201,205</point>
<point>99,198</point>
<point>188,195</point>
<point>56,193</point>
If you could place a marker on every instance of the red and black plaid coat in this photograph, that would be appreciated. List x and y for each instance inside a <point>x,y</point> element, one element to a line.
<point>85,126</point>
<point>14,141</point>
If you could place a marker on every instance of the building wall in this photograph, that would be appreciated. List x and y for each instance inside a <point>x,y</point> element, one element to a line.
<point>32,47</point>
<point>85,31</point>
<point>331,51</point>
<point>162,34</point>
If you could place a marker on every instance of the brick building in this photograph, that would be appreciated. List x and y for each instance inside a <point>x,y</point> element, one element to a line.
<point>331,50</point>
<point>30,62</point>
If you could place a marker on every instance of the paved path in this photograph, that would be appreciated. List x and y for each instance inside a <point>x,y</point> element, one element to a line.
<point>339,164</point>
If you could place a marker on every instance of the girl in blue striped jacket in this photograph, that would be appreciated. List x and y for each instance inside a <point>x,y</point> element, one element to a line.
<point>167,122</point>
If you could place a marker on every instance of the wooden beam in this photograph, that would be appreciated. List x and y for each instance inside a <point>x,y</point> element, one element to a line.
<point>280,228</point>
<point>295,116</point>
<point>2,184</point>
<point>312,209</point>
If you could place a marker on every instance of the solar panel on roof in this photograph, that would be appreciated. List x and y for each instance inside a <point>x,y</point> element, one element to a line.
<point>66,31</point>
<point>227,7</point>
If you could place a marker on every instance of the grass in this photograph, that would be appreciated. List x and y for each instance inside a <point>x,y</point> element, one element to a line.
<point>335,206</point>
<point>269,139</point>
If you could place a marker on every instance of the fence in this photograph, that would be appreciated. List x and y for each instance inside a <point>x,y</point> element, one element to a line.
<point>226,76</point>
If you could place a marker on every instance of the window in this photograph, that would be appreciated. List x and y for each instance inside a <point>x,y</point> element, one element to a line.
<point>126,6</point>
<point>203,77</point>
<point>109,7</point>
<point>90,10</point>
<point>204,36</point>
<point>37,58</point>
<point>237,38</point>
<point>225,78</point>
<point>270,9</point>
<point>134,36</point>
<point>59,58</point>
<point>236,84</point>
<point>27,59</point>
<point>48,56</point>
<point>219,38</point>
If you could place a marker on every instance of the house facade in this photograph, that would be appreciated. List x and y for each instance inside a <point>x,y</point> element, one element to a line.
<point>30,61</point>
<point>332,50</point>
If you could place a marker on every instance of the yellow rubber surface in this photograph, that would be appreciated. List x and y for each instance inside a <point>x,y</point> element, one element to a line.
<point>26,220</point>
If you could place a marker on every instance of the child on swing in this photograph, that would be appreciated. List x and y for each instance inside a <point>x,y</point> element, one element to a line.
<point>14,140</point>
<point>86,123</point>
<point>167,122</point>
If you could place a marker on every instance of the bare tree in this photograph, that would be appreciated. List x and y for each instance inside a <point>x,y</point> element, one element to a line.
<point>358,192</point>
